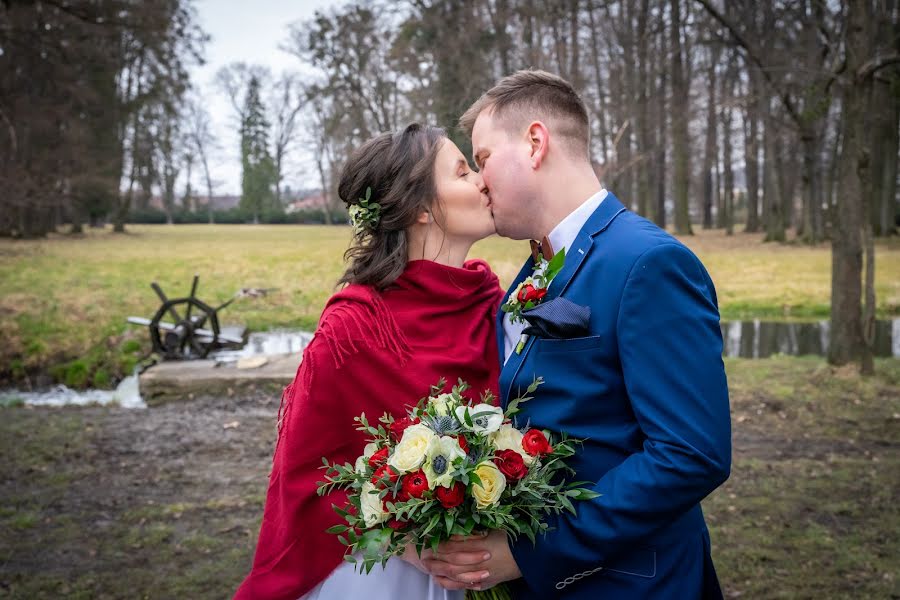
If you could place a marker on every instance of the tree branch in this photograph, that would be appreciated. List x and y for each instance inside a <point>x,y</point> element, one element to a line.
<point>753,56</point>
<point>876,64</point>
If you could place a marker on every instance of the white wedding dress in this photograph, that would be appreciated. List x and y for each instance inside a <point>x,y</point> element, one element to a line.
<point>398,580</point>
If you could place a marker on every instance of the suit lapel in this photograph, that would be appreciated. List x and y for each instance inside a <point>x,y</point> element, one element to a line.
<point>608,210</point>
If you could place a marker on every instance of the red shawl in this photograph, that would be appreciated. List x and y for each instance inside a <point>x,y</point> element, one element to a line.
<point>372,353</point>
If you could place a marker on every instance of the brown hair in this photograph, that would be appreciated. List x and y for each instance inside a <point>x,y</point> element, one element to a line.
<point>535,95</point>
<point>399,169</point>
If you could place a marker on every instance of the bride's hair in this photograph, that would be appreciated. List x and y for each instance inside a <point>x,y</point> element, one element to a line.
<point>398,168</point>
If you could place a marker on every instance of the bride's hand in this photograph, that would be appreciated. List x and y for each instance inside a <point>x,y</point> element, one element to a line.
<point>409,555</point>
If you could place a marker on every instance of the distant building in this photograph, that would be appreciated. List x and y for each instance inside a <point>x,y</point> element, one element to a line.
<point>311,200</point>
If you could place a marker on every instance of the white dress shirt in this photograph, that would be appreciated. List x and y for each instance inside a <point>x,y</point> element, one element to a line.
<point>562,236</point>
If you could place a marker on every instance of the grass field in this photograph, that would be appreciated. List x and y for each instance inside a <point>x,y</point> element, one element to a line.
<point>101,502</point>
<point>64,300</point>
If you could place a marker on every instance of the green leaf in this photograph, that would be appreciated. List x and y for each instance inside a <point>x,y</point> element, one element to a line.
<point>336,529</point>
<point>556,263</point>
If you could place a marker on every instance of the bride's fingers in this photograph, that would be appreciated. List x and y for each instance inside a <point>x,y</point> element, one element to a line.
<point>452,584</point>
<point>462,559</point>
<point>460,579</point>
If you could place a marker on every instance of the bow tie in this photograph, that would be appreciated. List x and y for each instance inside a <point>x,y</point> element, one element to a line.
<point>541,248</point>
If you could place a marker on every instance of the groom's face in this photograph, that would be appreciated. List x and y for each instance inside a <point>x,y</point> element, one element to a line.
<point>503,161</point>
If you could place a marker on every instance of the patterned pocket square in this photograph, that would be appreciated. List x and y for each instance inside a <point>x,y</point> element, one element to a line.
<point>558,319</point>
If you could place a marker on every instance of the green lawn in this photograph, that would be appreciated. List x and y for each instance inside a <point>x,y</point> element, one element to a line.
<point>64,300</point>
<point>100,502</point>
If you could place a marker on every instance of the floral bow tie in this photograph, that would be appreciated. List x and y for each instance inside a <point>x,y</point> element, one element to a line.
<point>542,248</point>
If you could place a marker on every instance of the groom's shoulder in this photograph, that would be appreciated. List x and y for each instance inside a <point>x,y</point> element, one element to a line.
<point>631,235</point>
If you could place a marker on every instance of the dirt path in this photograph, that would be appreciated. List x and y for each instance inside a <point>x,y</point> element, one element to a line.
<point>166,502</point>
<point>172,494</point>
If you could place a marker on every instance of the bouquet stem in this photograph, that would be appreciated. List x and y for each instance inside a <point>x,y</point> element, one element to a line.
<point>499,592</point>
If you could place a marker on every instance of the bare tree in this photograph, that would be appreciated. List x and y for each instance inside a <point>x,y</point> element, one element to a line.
<point>203,143</point>
<point>285,103</point>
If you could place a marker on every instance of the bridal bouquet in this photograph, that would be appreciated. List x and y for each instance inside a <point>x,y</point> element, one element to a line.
<point>449,467</point>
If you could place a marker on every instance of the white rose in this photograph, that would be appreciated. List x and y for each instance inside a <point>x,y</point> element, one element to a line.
<point>493,482</point>
<point>510,438</point>
<point>370,449</point>
<point>439,461</point>
<point>410,452</point>
<point>363,461</point>
<point>484,417</point>
<point>372,507</point>
<point>441,404</point>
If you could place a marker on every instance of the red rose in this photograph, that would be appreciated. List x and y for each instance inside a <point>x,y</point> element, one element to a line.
<point>379,458</point>
<point>415,484</point>
<point>535,443</point>
<point>538,294</point>
<point>399,426</point>
<point>452,496</point>
<point>397,524</point>
<point>463,443</point>
<point>382,472</point>
<point>401,496</point>
<point>529,292</point>
<point>524,292</point>
<point>510,464</point>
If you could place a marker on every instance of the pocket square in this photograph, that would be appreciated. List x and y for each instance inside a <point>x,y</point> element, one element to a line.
<point>558,319</point>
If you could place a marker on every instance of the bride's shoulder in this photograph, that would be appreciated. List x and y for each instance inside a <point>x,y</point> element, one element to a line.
<point>356,318</point>
<point>478,264</point>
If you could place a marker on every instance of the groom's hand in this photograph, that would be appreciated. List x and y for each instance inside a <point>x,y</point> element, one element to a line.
<point>473,563</point>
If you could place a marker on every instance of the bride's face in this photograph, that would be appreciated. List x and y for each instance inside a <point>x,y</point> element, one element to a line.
<point>463,206</point>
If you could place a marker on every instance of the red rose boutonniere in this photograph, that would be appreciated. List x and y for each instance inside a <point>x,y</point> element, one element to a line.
<point>532,290</point>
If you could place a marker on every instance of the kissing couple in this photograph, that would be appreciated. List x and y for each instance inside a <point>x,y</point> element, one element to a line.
<point>638,377</point>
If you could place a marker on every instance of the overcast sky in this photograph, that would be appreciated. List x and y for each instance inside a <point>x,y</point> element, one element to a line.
<point>250,32</point>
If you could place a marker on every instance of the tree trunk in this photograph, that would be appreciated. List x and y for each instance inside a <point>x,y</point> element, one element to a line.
<point>645,164</point>
<point>772,217</point>
<point>851,218</point>
<point>751,150</point>
<point>660,213</point>
<point>710,150</point>
<point>809,230</point>
<point>680,117</point>
<point>727,175</point>
<point>599,85</point>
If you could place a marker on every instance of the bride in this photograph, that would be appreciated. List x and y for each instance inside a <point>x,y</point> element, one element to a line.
<point>413,310</point>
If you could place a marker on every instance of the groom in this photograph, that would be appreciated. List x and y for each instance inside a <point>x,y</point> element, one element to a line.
<point>644,385</point>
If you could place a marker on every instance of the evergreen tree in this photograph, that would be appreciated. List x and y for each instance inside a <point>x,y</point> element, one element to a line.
<point>258,176</point>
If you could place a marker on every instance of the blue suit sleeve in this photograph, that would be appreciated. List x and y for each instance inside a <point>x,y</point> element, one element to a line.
<point>670,349</point>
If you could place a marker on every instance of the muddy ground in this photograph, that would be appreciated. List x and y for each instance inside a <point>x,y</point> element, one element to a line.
<point>166,502</point>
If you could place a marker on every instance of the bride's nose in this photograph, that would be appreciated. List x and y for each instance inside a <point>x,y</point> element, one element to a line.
<point>479,181</point>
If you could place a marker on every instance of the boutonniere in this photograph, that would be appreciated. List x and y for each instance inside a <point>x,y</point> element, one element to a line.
<point>532,290</point>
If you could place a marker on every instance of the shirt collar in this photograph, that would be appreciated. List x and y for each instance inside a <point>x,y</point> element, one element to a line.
<point>564,234</point>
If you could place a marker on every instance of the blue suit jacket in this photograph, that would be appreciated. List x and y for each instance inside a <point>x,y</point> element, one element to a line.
<point>646,390</point>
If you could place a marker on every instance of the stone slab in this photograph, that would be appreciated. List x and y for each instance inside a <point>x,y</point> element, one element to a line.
<point>182,380</point>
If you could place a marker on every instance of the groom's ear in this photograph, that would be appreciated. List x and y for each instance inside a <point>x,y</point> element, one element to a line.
<point>539,141</point>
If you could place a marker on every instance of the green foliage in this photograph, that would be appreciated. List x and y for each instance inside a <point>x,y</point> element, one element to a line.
<point>75,374</point>
<point>521,509</point>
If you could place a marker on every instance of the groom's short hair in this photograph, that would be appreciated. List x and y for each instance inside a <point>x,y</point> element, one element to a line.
<point>533,95</point>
